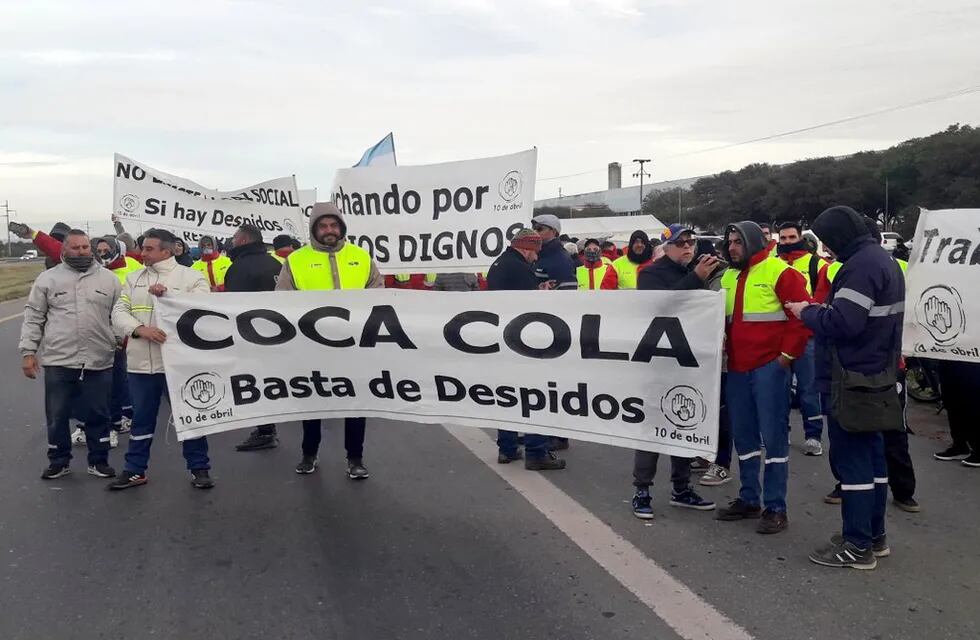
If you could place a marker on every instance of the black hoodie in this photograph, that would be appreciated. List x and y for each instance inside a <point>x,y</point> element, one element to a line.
<point>752,239</point>
<point>639,258</point>
<point>842,229</point>
<point>252,269</point>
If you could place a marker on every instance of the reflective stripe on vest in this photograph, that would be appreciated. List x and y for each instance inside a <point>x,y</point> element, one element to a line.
<point>403,277</point>
<point>627,271</point>
<point>598,275</point>
<point>430,279</point>
<point>311,268</point>
<point>760,302</point>
<point>802,264</point>
<point>122,272</point>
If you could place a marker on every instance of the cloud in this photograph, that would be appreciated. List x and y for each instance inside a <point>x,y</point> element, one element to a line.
<point>68,57</point>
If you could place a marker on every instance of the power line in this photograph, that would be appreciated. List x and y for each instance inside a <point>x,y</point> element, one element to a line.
<point>937,98</point>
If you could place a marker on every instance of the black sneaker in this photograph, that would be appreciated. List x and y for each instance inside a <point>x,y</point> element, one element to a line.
<point>772,522</point>
<point>201,479</point>
<point>356,470</point>
<point>256,441</point>
<point>641,504</point>
<point>844,556</point>
<point>834,497</point>
<point>101,470</point>
<point>689,499</point>
<point>907,504</point>
<point>55,471</point>
<point>126,480</point>
<point>307,465</point>
<point>973,460</point>
<point>506,458</point>
<point>879,545</point>
<point>954,452</point>
<point>550,462</point>
<point>739,510</point>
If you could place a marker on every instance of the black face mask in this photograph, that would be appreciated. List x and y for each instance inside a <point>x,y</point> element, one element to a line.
<point>784,249</point>
<point>79,263</point>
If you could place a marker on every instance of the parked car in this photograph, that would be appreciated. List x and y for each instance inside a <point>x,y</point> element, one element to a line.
<point>890,240</point>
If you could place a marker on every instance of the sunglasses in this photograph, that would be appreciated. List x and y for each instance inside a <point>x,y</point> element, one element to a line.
<point>685,243</point>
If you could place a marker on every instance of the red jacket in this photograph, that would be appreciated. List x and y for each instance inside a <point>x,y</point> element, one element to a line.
<point>51,247</point>
<point>609,281</point>
<point>822,288</point>
<point>751,345</point>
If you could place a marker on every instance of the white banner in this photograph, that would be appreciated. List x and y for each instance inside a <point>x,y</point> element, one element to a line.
<point>942,306</point>
<point>439,218</point>
<point>636,369</point>
<point>151,198</point>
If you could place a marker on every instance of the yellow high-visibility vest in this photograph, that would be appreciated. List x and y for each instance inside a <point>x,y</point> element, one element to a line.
<point>131,265</point>
<point>311,268</point>
<point>759,302</point>
<point>598,275</point>
<point>216,274</point>
<point>802,264</point>
<point>277,257</point>
<point>628,272</point>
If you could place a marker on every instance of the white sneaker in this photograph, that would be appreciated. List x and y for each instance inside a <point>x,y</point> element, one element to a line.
<point>812,447</point>
<point>78,437</point>
<point>717,475</point>
<point>113,439</point>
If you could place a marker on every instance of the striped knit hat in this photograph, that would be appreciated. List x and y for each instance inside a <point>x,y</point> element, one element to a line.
<point>526,239</point>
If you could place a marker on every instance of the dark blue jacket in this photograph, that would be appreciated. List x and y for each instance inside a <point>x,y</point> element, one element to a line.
<point>554,263</point>
<point>863,315</point>
<point>511,272</point>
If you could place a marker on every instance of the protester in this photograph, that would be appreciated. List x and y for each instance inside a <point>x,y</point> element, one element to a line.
<point>67,329</point>
<point>572,250</point>
<point>512,271</point>
<point>553,264</point>
<point>456,282</point>
<point>595,272</point>
<point>858,331</point>
<point>327,263</point>
<point>181,254</point>
<point>771,242</point>
<point>792,249</point>
<point>48,244</point>
<point>610,252</point>
<point>133,317</point>
<point>762,340</point>
<point>213,264</point>
<point>961,387</point>
<point>638,256</point>
<point>133,247</point>
<point>282,246</point>
<point>671,273</point>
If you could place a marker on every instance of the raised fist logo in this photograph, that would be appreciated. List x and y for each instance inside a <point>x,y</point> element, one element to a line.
<point>203,391</point>
<point>940,312</point>
<point>684,407</point>
<point>511,186</point>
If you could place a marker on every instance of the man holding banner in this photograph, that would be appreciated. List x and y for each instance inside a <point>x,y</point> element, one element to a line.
<point>329,262</point>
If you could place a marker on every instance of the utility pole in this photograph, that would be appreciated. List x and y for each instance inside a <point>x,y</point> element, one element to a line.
<point>640,174</point>
<point>678,205</point>
<point>886,204</point>
<point>6,215</point>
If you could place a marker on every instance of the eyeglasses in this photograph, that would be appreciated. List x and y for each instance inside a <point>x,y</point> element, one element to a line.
<point>685,243</point>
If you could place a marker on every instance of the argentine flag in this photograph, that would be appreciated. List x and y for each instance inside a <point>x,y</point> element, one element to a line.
<point>380,155</point>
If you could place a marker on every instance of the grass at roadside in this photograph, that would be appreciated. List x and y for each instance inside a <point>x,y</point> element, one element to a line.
<point>16,279</point>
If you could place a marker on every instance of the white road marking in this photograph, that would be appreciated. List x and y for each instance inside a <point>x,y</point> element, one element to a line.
<point>16,315</point>
<point>684,611</point>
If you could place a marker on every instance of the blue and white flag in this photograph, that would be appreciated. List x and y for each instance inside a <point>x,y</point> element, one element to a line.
<point>380,155</point>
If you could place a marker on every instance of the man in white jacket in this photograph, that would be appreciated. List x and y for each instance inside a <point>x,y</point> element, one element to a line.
<point>133,317</point>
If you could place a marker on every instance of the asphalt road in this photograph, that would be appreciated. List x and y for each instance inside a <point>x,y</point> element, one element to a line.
<point>437,545</point>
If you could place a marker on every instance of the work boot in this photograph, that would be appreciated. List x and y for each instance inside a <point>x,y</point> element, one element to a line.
<point>201,479</point>
<point>558,444</point>
<point>844,556</point>
<point>834,497</point>
<point>549,462</point>
<point>879,545</point>
<point>909,505</point>
<point>772,522</point>
<point>256,441</point>
<point>506,458</point>
<point>739,510</point>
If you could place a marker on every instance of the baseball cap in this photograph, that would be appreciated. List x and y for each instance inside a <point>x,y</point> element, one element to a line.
<point>673,232</point>
<point>548,220</point>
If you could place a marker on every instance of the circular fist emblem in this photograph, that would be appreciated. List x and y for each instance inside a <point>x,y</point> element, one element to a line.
<point>129,203</point>
<point>511,186</point>
<point>684,407</point>
<point>940,312</point>
<point>203,391</point>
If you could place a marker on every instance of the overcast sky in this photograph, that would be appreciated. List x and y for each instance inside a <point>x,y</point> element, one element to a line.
<point>233,93</point>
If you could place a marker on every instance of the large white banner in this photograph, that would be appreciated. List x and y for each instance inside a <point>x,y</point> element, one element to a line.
<point>150,198</point>
<point>942,305</point>
<point>636,369</point>
<point>438,218</point>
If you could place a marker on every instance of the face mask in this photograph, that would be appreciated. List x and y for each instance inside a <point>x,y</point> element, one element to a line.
<point>592,255</point>
<point>207,251</point>
<point>79,263</point>
<point>784,249</point>
<point>105,258</point>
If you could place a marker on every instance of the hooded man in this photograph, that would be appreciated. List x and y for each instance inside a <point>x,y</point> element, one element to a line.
<point>595,273</point>
<point>181,254</point>
<point>762,340</point>
<point>638,256</point>
<point>330,262</point>
<point>213,264</point>
<point>67,329</point>
<point>858,330</point>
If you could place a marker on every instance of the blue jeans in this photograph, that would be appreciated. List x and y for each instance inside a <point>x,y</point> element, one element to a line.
<point>857,460</point>
<point>147,389</point>
<point>535,446</point>
<point>758,405</point>
<point>121,405</point>
<point>806,393</point>
<point>81,393</point>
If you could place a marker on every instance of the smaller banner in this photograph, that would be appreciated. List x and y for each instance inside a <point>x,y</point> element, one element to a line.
<point>153,199</point>
<point>439,218</point>
<point>636,369</point>
<point>942,306</point>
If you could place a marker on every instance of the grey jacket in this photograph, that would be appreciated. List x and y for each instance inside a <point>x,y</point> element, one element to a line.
<point>456,282</point>
<point>67,318</point>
